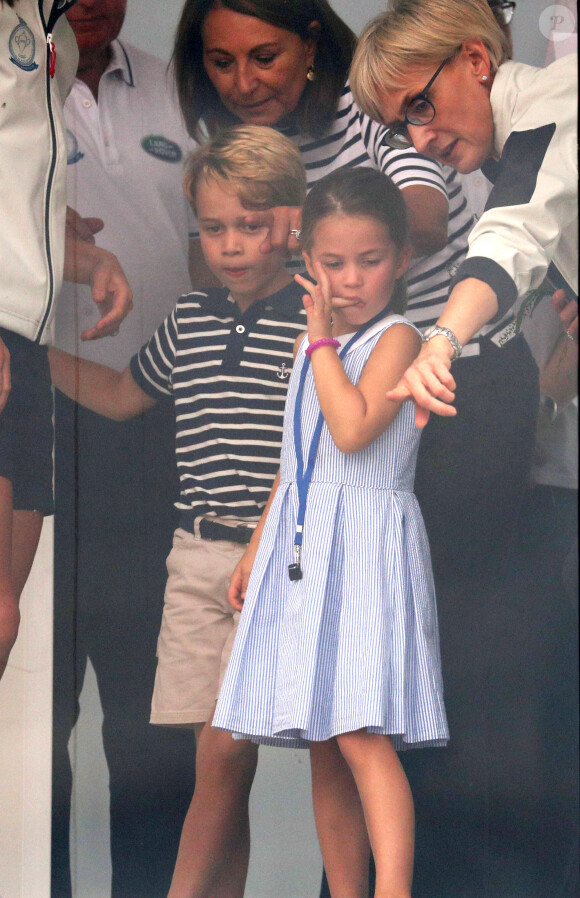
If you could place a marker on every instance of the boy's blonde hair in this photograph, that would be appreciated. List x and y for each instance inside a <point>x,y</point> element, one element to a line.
<point>263,166</point>
<point>414,34</point>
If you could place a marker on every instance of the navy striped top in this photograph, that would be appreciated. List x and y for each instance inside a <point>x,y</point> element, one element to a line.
<point>228,373</point>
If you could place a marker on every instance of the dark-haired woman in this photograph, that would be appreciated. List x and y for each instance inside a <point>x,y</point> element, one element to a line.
<point>282,64</point>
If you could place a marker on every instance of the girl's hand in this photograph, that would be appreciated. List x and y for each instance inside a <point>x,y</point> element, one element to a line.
<point>318,304</point>
<point>429,382</point>
<point>240,577</point>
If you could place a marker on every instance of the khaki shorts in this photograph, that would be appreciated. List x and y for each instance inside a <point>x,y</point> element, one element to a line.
<point>197,629</point>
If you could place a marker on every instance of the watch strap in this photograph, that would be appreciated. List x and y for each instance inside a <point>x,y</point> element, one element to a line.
<point>436,330</point>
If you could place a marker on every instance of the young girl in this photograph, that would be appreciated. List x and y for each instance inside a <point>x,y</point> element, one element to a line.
<point>338,643</point>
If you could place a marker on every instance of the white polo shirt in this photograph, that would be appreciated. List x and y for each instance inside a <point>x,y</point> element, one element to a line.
<point>125,159</point>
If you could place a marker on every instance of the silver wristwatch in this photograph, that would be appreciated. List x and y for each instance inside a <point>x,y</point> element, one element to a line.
<point>435,330</point>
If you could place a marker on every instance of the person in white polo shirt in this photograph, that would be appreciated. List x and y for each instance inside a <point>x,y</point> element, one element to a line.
<point>126,143</point>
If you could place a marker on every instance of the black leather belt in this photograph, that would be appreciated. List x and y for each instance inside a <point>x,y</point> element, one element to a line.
<point>236,533</point>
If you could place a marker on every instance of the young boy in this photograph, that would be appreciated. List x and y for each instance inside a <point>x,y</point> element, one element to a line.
<point>226,356</point>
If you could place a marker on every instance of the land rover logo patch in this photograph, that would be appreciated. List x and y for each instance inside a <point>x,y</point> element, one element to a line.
<point>22,46</point>
<point>162,148</point>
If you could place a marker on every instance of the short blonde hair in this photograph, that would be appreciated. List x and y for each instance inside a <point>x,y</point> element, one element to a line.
<point>413,34</point>
<point>264,167</point>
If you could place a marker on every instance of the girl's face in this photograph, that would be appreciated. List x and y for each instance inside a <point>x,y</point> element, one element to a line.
<point>362,264</point>
<point>258,70</point>
<point>461,133</point>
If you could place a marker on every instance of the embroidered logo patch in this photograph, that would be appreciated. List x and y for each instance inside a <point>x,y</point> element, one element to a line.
<point>73,154</point>
<point>22,46</point>
<point>162,148</point>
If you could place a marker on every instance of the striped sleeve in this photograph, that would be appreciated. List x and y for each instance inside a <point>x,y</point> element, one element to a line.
<point>153,365</point>
<point>406,168</point>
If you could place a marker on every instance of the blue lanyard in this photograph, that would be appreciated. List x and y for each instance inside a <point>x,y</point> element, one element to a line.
<point>304,475</point>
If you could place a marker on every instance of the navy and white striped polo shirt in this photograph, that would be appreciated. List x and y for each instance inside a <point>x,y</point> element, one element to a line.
<point>228,373</point>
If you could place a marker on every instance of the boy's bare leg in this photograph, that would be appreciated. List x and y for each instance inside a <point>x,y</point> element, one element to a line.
<point>19,535</point>
<point>340,822</point>
<point>214,850</point>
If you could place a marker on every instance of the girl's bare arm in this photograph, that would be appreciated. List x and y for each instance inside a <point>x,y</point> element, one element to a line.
<point>355,415</point>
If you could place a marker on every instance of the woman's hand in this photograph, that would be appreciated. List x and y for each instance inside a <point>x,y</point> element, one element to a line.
<point>240,577</point>
<point>429,382</point>
<point>282,222</point>
<point>568,312</point>
<point>111,293</point>
<point>88,264</point>
<point>82,228</point>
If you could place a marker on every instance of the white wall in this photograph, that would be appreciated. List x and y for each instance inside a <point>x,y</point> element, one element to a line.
<point>151,25</point>
<point>25,740</point>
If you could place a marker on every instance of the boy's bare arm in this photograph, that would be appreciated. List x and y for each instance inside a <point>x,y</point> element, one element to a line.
<point>103,390</point>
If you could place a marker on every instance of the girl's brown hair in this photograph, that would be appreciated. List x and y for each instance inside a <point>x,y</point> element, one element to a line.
<point>365,193</point>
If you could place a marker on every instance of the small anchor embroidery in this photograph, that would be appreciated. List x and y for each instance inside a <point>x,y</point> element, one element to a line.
<point>283,372</point>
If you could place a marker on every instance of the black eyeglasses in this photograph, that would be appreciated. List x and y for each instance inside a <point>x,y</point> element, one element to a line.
<point>420,111</point>
<point>505,9</point>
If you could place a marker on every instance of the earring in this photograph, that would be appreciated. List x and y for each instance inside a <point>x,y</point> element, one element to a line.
<point>310,73</point>
<point>484,77</point>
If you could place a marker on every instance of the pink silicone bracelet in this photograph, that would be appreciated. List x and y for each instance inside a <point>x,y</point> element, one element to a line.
<point>324,341</point>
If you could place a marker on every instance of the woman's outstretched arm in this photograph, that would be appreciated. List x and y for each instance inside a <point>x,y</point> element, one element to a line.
<point>428,381</point>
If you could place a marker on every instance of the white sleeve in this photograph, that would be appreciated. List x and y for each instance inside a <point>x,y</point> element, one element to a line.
<point>531,217</point>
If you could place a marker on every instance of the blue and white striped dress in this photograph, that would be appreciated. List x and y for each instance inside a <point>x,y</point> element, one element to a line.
<point>354,644</point>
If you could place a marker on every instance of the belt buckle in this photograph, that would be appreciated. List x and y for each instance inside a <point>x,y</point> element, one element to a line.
<point>244,533</point>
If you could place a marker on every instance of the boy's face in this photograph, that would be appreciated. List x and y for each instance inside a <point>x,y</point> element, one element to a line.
<point>231,245</point>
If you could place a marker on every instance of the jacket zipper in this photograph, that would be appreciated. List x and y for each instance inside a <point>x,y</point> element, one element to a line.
<point>50,181</point>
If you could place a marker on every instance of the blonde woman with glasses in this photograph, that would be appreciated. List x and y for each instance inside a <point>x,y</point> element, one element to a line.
<point>436,73</point>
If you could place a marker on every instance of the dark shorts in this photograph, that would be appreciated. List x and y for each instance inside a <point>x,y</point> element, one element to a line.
<point>26,428</point>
